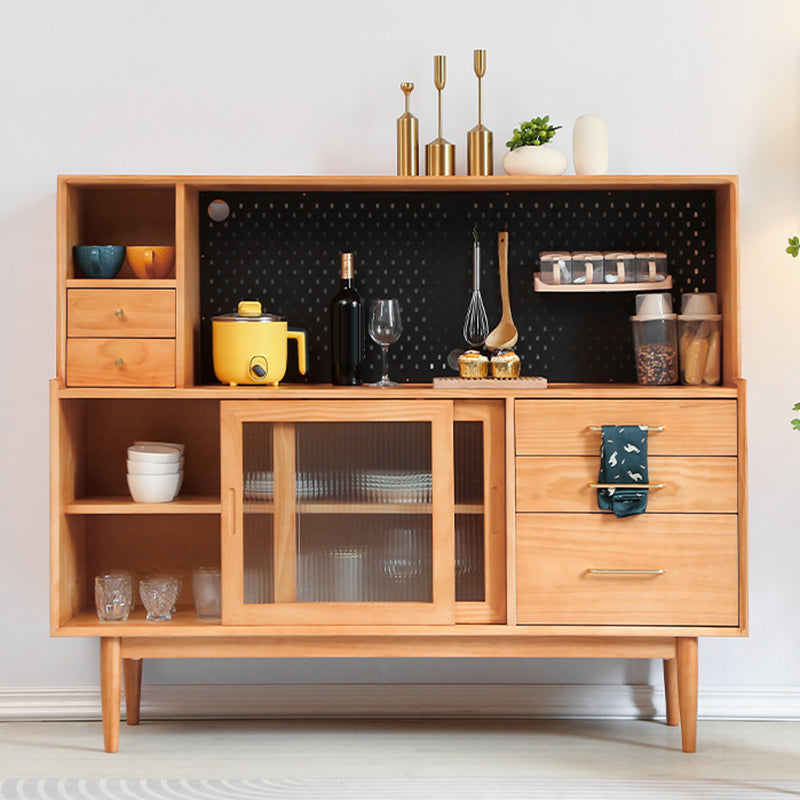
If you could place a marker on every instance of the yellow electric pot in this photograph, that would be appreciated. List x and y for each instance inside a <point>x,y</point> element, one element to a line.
<point>250,346</point>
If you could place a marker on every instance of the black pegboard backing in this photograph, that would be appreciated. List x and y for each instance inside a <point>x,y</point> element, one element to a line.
<point>282,248</point>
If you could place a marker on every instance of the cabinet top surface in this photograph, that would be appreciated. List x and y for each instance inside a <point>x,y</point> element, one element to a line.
<point>416,183</point>
<point>505,389</point>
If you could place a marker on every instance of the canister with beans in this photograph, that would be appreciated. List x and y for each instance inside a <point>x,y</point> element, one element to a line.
<point>655,339</point>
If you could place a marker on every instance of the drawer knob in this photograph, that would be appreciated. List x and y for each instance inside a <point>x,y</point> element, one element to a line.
<point>626,571</point>
<point>119,312</point>
<point>119,361</point>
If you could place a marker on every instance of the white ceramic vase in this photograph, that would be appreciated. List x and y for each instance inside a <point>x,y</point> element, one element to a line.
<point>590,145</point>
<point>540,159</point>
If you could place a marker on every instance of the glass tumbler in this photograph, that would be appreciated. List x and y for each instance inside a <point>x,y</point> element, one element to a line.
<point>159,594</point>
<point>207,590</point>
<point>112,596</point>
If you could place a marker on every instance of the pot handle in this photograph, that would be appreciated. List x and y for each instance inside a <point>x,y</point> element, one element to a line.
<point>302,348</point>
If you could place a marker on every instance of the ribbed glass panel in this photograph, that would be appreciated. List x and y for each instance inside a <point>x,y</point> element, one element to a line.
<point>468,476</point>
<point>258,512</point>
<point>364,525</point>
<point>469,558</point>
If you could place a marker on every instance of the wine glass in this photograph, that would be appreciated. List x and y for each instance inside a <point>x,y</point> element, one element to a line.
<point>385,328</point>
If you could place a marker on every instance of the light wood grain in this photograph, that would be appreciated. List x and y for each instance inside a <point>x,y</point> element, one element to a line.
<point>408,391</point>
<point>698,553</point>
<point>132,675</point>
<point>687,692</point>
<point>388,646</point>
<point>562,484</point>
<point>691,427</point>
<point>187,272</point>
<point>284,459</point>
<point>578,288</point>
<point>110,690</point>
<point>144,362</point>
<point>133,313</point>
<point>671,691</point>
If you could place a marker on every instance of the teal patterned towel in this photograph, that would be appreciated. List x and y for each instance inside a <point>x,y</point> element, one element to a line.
<point>623,459</point>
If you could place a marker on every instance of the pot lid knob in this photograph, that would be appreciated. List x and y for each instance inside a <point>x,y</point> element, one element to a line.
<point>249,308</point>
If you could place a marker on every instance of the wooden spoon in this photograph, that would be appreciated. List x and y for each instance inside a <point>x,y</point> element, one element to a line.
<point>505,335</point>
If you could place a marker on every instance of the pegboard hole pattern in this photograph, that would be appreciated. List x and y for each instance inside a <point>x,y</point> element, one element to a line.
<point>283,248</point>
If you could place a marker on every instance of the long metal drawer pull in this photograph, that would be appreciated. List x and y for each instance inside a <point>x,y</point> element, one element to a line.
<point>627,485</point>
<point>626,571</point>
<point>643,427</point>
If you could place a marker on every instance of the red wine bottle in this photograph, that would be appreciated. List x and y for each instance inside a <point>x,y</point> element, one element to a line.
<point>347,329</point>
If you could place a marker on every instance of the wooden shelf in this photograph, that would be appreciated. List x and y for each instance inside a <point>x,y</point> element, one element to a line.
<point>266,507</point>
<point>121,283</point>
<point>649,286</point>
<point>125,505</point>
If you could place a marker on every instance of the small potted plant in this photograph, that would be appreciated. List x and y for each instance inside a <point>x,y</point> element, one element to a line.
<point>530,151</point>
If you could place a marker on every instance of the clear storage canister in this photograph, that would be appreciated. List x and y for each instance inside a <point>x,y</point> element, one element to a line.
<point>655,340</point>
<point>700,339</point>
<point>651,267</point>
<point>555,267</point>
<point>619,267</point>
<point>587,267</point>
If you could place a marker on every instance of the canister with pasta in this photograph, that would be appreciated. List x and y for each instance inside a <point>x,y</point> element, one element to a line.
<point>699,339</point>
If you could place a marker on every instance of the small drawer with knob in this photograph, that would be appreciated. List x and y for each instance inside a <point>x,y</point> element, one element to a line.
<point>120,362</point>
<point>129,313</point>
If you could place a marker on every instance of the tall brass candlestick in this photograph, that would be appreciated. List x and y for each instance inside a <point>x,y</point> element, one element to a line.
<point>407,137</point>
<point>479,139</point>
<point>440,155</point>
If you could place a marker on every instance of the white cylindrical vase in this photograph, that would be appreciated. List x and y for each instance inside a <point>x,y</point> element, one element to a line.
<point>590,145</point>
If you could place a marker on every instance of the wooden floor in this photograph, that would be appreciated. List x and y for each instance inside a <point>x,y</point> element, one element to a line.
<point>758,755</point>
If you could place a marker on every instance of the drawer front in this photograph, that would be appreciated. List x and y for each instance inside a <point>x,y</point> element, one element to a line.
<point>691,484</point>
<point>120,362</point>
<point>562,427</point>
<point>697,553</point>
<point>146,313</point>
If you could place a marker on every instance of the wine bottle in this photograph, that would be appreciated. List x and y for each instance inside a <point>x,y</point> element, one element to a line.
<point>347,329</point>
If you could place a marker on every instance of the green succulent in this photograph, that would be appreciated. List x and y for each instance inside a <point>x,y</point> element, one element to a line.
<point>794,246</point>
<point>535,132</point>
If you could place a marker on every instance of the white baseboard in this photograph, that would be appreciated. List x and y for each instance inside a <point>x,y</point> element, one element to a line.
<point>237,701</point>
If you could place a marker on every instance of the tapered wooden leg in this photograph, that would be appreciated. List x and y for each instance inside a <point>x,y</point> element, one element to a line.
<point>110,690</point>
<point>671,690</point>
<point>132,672</point>
<point>687,692</point>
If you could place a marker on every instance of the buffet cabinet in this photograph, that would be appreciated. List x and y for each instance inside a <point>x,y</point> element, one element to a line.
<point>417,521</point>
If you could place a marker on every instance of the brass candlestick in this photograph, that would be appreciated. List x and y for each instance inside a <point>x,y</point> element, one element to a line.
<point>440,155</point>
<point>479,139</point>
<point>407,137</point>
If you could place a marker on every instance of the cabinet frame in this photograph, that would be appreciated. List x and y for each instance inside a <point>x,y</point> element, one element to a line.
<point>145,208</point>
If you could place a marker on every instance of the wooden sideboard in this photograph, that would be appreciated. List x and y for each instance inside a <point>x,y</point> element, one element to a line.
<point>497,550</point>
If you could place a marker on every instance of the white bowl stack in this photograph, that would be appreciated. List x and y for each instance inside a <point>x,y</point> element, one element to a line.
<point>155,471</point>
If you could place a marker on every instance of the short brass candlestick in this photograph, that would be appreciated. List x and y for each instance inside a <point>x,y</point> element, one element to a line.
<point>440,155</point>
<point>407,137</point>
<point>479,139</point>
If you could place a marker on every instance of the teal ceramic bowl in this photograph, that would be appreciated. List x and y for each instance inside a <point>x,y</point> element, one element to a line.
<point>99,260</point>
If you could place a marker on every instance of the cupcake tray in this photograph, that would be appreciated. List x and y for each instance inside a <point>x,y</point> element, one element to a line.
<point>497,383</point>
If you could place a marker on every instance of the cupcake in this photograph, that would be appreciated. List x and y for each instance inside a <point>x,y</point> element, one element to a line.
<point>473,365</point>
<point>505,364</point>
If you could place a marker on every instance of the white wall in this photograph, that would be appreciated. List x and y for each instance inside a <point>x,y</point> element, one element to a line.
<point>246,87</point>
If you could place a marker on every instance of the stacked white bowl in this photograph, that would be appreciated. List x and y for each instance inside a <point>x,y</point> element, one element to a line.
<point>155,471</point>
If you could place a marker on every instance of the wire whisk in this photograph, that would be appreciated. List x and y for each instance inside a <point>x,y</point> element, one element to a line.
<point>476,324</point>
